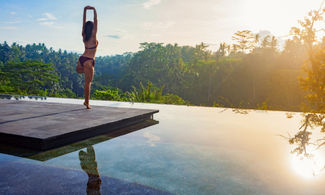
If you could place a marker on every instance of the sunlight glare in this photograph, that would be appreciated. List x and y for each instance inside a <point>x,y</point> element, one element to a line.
<point>308,167</point>
<point>278,16</point>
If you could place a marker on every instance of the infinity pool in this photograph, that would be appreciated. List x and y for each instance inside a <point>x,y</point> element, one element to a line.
<point>191,150</point>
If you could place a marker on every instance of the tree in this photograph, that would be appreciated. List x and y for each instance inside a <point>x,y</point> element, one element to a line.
<point>244,40</point>
<point>162,65</point>
<point>314,81</point>
<point>30,77</point>
<point>223,50</point>
<point>274,43</point>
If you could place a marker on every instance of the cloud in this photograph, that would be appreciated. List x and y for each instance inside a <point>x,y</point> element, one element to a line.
<point>46,23</point>
<point>51,24</point>
<point>50,16</point>
<point>12,22</point>
<point>47,17</point>
<point>48,20</point>
<point>151,138</point>
<point>12,13</point>
<point>114,36</point>
<point>8,28</point>
<point>148,4</point>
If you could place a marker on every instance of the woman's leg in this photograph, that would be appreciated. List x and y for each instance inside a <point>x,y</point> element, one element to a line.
<point>79,68</point>
<point>89,74</point>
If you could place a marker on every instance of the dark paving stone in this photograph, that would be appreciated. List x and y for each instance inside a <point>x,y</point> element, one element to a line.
<point>42,126</point>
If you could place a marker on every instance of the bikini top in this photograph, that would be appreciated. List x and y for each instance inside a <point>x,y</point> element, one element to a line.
<point>94,47</point>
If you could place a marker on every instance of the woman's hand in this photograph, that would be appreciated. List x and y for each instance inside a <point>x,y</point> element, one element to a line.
<point>88,7</point>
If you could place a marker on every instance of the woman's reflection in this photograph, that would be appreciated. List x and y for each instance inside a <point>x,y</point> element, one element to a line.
<point>89,165</point>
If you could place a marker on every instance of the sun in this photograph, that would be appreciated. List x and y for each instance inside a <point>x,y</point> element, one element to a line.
<point>308,167</point>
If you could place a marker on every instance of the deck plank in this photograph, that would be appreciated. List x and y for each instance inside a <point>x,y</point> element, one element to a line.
<point>43,125</point>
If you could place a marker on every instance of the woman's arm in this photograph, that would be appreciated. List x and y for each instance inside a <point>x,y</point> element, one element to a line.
<point>84,18</point>
<point>95,21</point>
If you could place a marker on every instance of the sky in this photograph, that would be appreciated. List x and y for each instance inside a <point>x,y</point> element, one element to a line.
<point>123,24</point>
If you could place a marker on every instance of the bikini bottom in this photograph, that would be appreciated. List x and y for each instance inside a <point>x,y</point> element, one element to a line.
<point>83,59</point>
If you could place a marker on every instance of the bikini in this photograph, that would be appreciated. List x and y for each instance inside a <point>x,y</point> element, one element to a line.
<point>83,59</point>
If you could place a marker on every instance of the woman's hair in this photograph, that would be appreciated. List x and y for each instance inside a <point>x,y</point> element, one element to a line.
<point>88,30</point>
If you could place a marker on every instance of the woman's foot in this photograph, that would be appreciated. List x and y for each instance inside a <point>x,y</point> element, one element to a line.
<point>87,105</point>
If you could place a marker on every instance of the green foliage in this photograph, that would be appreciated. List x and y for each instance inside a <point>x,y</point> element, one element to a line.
<point>192,73</point>
<point>173,99</point>
<point>313,81</point>
<point>6,89</point>
<point>162,65</point>
<point>63,63</point>
<point>64,93</point>
<point>31,77</point>
<point>145,94</point>
<point>149,94</point>
<point>263,106</point>
<point>110,94</point>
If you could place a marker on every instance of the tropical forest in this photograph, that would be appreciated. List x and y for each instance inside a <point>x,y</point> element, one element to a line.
<point>253,72</point>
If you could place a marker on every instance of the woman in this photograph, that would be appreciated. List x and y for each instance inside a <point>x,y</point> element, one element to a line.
<point>86,62</point>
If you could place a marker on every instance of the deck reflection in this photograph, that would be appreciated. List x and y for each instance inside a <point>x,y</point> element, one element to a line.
<point>50,154</point>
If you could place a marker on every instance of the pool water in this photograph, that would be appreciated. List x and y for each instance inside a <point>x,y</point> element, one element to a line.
<point>192,150</point>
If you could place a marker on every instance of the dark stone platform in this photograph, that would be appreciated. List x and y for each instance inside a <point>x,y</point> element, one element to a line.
<point>42,126</point>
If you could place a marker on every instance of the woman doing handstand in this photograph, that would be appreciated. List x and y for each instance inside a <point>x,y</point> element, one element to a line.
<point>86,62</point>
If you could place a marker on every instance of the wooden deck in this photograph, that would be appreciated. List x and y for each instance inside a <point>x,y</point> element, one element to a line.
<point>42,126</point>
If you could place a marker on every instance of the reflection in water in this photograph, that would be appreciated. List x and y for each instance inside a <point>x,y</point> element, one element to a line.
<point>237,110</point>
<point>57,152</point>
<point>289,115</point>
<point>152,139</point>
<point>302,137</point>
<point>89,165</point>
<point>308,166</point>
<point>21,97</point>
<point>308,160</point>
<point>240,111</point>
